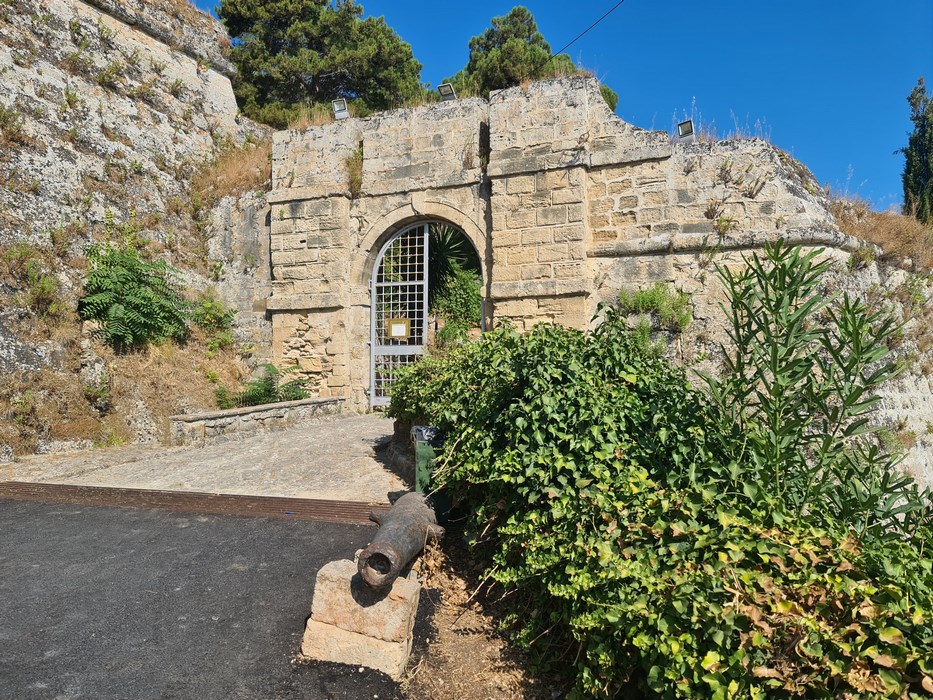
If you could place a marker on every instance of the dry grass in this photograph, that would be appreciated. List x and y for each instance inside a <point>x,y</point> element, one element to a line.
<point>902,238</point>
<point>315,115</point>
<point>170,379</point>
<point>234,171</point>
<point>167,379</point>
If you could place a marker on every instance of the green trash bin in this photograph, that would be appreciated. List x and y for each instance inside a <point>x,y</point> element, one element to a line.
<point>428,443</point>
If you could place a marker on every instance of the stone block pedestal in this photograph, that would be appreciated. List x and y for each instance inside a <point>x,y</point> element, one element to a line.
<point>352,624</point>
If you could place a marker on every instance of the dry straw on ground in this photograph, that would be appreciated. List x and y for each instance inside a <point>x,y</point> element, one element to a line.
<point>901,237</point>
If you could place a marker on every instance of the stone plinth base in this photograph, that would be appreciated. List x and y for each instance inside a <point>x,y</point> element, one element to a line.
<point>352,624</point>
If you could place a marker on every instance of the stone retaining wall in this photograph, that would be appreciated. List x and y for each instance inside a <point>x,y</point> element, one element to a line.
<point>223,426</point>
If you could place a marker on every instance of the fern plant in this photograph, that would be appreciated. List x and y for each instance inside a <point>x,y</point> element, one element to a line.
<point>266,388</point>
<point>135,300</point>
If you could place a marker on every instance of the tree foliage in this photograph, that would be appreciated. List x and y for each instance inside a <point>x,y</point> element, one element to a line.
<point>656,535</point>
<point>918,168</point>
<point>290,53</point>
<point>511,51</point>
<point>135,300</point>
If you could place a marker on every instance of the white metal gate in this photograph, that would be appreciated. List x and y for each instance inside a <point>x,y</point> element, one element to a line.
<point>399,294</point>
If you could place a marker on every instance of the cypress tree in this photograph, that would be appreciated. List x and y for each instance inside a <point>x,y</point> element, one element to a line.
<point>918,168</point>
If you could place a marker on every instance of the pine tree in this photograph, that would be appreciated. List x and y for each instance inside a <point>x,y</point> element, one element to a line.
<point>511,51</point>
<point>290,53</point>
<point>918,168</point>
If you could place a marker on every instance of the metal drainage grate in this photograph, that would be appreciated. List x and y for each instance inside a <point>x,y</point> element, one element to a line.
<point>351,512</point>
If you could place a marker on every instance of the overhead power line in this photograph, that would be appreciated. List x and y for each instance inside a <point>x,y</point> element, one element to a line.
<point>580,35</point>
<point>585,31</point>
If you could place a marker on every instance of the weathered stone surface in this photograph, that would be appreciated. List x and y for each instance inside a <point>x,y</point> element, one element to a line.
<point>342,599</point>
<point>117,101</point>
<point>214,426</point>
<point>328,643</point>
<point>565,203</point>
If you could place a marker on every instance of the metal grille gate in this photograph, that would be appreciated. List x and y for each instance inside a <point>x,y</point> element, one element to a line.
<point>399,296</point>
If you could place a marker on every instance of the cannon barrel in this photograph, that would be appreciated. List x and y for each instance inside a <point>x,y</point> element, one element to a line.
<point>403,532</point>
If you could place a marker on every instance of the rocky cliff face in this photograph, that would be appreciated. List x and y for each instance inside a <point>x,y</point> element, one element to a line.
<point>97,114</point>
<point>107,109</point>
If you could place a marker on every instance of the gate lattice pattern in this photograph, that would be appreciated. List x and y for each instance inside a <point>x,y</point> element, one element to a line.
<point>400,299</point>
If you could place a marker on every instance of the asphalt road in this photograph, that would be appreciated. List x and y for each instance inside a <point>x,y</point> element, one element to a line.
<point>112,603</point>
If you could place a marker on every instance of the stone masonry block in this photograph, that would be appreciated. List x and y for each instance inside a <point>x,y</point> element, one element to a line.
<point>549,253</point>
<point>619,188</point>
<point>653,199</point>
<point>521,184</point>
<point>329,643</point>
<point>536,272</point>
<point>552,215</point>
<point>575,213</point>
<point>568,195</point>
<point>343,600</point>
<point>521,255</point>
<point>625,202</point>
<point>534,236</point>
<point>522,218</point>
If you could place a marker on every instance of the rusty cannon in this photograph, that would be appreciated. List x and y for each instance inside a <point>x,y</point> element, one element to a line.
<point>403,532</point>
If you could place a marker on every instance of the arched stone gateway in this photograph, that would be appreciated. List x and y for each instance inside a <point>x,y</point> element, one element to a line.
<point>401,300</point>
<point>563,202</point>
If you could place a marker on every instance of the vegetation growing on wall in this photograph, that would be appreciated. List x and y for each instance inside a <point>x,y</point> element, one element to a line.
<point>511,52</point>
<point>901,237</point>
<point>751,541</point>
<point>454,279</point>
<point>268,387</point>
<point>135,300</point>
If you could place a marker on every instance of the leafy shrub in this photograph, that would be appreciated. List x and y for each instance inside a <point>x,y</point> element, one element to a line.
<point>459,305</point>
<point>215,319</point>
<point>267,388</point>
<point>670,307</point>
<point>657,536</point>
<point>798,394</point>
<point>135,300</point>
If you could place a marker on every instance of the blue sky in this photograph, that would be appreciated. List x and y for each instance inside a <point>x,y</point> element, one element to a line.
<point>826,79</point>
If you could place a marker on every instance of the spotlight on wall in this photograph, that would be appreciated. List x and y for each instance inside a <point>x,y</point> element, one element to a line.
<point>685,133</point>
<point>340,109</point>
<point>447,92</point>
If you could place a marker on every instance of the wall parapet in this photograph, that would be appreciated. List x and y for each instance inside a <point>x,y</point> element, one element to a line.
<point>216,427</point>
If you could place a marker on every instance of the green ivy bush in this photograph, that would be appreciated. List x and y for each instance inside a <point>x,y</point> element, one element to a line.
<point>659,536</point>
<point>136,300</point>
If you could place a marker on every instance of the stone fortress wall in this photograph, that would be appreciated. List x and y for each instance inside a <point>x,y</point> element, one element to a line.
<point>107,105</point>
<point>566,205</point>
<point>116,101</point>
<point>106,109</point>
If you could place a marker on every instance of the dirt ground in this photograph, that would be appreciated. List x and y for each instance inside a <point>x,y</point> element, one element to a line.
<point>467,658</point>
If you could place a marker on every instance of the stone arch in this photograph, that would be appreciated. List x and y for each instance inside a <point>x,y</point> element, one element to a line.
<point>387,225</point>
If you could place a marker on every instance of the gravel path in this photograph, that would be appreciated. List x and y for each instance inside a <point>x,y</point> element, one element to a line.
<point>338,459</point>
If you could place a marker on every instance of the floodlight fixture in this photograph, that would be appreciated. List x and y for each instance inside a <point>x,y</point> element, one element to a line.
<point>340,109</point>
<point>447,92</point>
<point>685,133</point>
